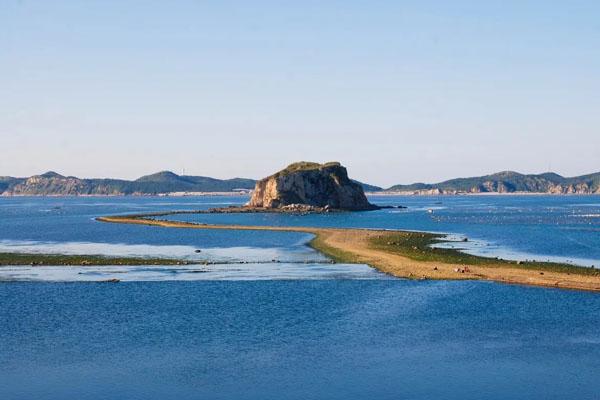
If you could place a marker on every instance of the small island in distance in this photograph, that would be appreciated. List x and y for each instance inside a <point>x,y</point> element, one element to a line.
<point>309,186</point>
<point>169,183</point>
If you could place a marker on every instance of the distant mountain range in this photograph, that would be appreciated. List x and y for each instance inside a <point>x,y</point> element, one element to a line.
<point>54,184</point>
<point>508,182</point>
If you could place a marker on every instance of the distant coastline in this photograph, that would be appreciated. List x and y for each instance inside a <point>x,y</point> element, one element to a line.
<point>248,193</point>
<point>172,194</point>
<point>389,193</point>
<point>507,182</point>
<point>167,183</point>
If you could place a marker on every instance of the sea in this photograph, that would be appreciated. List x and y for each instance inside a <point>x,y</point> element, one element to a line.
<point>263,316</point>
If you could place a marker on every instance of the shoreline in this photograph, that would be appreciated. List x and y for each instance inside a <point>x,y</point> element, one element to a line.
<point>247,194</point>
<point>412,194</point>
<point>167,194</point>
<point>407,255</point>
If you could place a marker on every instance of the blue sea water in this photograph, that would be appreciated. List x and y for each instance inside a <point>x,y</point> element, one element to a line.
<point>272,319</point>
<point>559,228</point>
<point>299,339</point>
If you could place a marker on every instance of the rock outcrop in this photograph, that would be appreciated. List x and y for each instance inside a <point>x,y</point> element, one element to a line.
<point>310,186</point>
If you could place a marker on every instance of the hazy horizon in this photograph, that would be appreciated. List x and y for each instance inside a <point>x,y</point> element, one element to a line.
<point>399,93</point>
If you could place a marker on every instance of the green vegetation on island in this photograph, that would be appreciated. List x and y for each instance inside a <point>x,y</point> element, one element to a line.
<point>419,247</point>
<point>304,166</point>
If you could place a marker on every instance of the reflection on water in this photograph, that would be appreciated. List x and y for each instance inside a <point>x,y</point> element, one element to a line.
<point>235,272</point>
<point>214,254</point>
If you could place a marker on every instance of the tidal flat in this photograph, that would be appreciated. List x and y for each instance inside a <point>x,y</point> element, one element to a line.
<point>408,255</point>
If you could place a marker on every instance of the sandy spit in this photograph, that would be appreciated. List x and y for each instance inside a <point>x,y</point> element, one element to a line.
<point>355,243</point>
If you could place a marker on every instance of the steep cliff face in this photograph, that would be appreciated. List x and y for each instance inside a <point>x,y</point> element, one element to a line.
<point>310,184</point>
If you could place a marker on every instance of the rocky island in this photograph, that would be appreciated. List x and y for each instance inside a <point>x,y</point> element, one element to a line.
<point>300,188</point>
<point>309,186</point>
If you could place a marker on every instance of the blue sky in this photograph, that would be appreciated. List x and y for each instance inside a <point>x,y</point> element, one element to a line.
<point>399,91</point>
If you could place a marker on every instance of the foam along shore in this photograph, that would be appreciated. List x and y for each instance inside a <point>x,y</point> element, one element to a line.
<point>408,255</point>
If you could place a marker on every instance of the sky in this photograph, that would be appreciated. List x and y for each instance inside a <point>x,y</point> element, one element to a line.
<point>398,91</point>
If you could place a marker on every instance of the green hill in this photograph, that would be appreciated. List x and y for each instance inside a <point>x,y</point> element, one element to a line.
<point>368,188</point>
<point>508,182</point>
<point>52,183</point>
